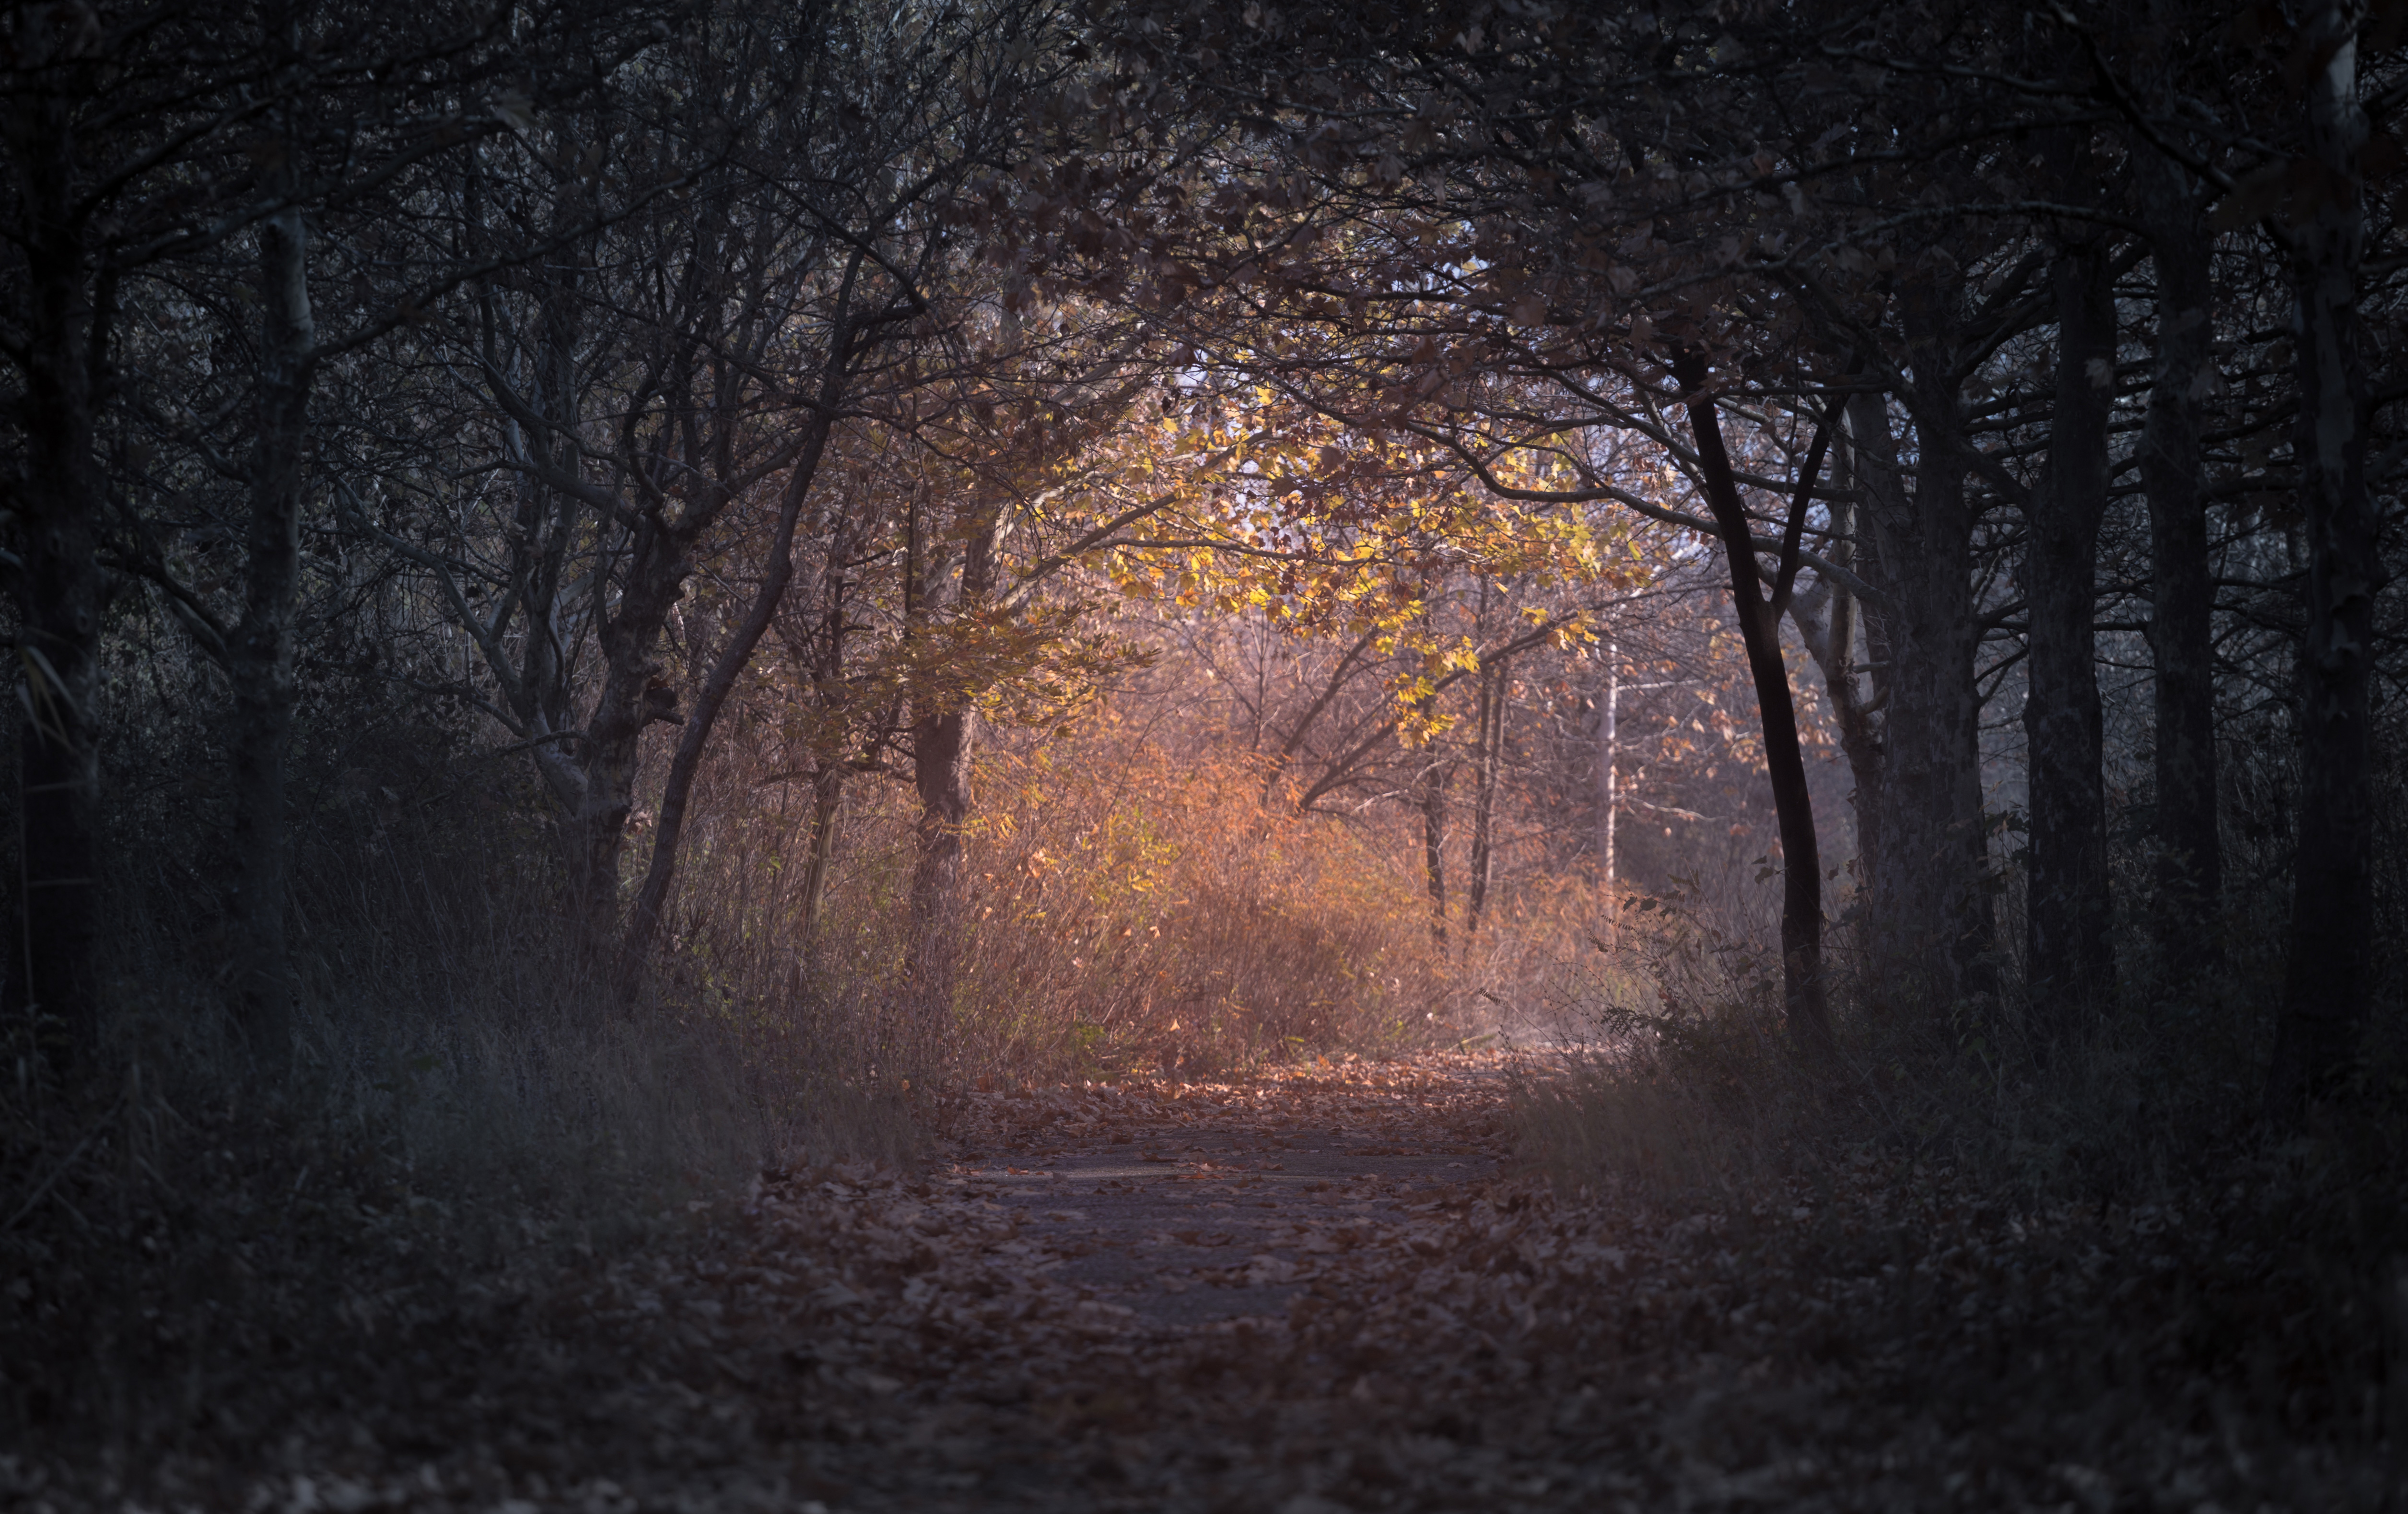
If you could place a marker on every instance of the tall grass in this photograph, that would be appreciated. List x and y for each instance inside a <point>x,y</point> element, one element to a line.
<point>1691,1084</point>
<point>189,1249</point>
<point>2278,1245</point>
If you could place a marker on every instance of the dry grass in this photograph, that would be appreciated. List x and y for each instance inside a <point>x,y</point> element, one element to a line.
<point>2240,1280</point>
<point>1123,910</point>
<point>184,1246</point>
<point>1130,911</point>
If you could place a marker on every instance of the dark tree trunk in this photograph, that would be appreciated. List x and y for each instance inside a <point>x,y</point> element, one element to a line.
<point>1803,991</point>
<point>1931,935</point>
<point>944,731</point>
<point>826,659</point>
<point>550,522</point>
<point>2190,853</point>
<point>827,806</point>
<point>634,693</point>
<point>259,661</point>
<point>1433,787</point>
<point>2329,984</point>
<point>1483,802</point>
<point>941,742</point>
<point>644,922</point>
<point>58,591</point>
<point>2070,963</point>
<point>1826,618</point>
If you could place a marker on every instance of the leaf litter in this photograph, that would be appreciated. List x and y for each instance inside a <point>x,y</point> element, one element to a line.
<point>1322,1289</point>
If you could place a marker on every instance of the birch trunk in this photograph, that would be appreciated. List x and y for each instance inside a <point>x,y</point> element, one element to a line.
<point>1609,763</point>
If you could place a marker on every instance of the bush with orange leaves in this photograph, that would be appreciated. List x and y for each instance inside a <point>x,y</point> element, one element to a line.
<point>1129,909</point>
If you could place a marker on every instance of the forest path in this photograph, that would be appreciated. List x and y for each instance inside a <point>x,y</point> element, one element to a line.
<point>1180,1258</point>
<point>1313,1291</point>
<point>1230,1201</point>
<point>1318,1290</point>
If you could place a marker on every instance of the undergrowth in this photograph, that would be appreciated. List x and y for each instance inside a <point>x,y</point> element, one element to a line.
<point>189,1249</point>
<point>2247,1280</point>
<point>1123,909</point>
<point>187,1244</point>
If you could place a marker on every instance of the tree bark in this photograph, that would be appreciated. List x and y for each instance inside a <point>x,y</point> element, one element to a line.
<point>1608,776</point>
<point>827,807</point>
<point>943,740</point>
<point>1483,802</point>
<point>1433,797</point>
<point>945,733</point>
<point>1826,618</point>
<point>550,519</point>
<point>58,592</point>
<point>827,660</point>
<point>2329,981</point>
<point>608,752</point>
<point>2190,852</point>
<point>259,660</point>
<point>1931,934</point>
<point>644,921</point>
<point>2070,963</point>
<point>1803,991</point>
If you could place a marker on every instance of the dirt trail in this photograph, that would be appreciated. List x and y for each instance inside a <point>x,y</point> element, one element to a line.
<point>1317,1291</point>
<point>1228,1202</point>
<point>1277,1295</point>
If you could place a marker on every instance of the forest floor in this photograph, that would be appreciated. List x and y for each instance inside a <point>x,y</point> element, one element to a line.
<point>1324,1288</point>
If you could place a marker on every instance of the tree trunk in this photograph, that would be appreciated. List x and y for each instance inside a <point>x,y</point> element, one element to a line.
<point>59,599</point>
<point>2329,983</point>
<point>654,579</point>
<point>2190,852</point>
<point>941,743</point>
<point>1483,803</point>
<point>826,661</point>
<point>1931,935</point>
<point>644,922</point>
<point>1825,617</point>
<point>550,522</point>
<point>1803,992</point>
<point>827,807</point>
<point>259,661</point>
<point>1609,778</point>
<point>2069,964</point>
<point>1433,787</point>
<point>943,733</point>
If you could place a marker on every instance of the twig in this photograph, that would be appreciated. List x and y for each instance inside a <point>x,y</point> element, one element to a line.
<point>47,1183</point>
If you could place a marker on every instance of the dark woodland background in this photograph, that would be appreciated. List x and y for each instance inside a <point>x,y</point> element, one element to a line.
<point>604,593</point>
